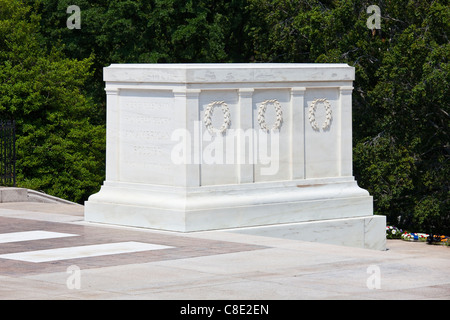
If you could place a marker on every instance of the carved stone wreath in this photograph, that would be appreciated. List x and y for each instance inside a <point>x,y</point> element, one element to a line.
<point>262,111</point>
<point>312,115</point>
<point>226,117</point>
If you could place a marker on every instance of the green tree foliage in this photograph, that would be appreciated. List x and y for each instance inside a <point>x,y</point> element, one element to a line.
<point>401,97</point>
<point>153,31</point>
<point>58,150</point>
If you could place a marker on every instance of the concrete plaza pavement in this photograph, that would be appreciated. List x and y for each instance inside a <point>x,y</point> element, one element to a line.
<point>217,265</point>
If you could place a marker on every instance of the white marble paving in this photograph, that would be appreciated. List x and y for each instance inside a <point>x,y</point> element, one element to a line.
<point>32,235</point>
<point>82,251</point>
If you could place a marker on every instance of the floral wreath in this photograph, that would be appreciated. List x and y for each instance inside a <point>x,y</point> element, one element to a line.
<point>261,115</point>
<point>226,117</point>
<point>414,236</point>
<point>312,115</point>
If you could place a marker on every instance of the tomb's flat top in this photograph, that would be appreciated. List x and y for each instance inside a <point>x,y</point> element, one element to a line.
<point>228,65</point>
<point>228,72</point>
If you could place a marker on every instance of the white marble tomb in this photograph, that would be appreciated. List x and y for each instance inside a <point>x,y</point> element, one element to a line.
<point>257,148</point>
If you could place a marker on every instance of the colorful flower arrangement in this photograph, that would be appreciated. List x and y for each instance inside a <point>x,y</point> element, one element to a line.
<point>393,232</point>
<point>396,233</point>
<point>415,236</point>
<point>438,239</point>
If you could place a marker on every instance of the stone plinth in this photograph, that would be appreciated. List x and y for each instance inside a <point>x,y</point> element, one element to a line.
<point>194,147</point>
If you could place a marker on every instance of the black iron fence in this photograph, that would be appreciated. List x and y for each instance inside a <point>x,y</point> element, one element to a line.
<point>7,153</point>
